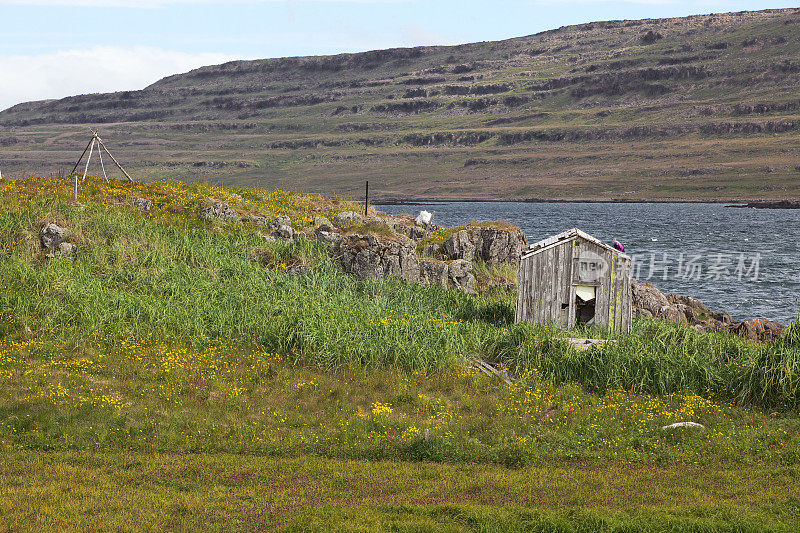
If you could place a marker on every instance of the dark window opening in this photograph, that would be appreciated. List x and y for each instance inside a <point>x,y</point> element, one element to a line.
<point>585,305</point>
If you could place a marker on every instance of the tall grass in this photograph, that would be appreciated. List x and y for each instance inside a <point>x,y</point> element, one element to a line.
<point>660,358</point>
<point>136,279</point>
<point>179,279</point>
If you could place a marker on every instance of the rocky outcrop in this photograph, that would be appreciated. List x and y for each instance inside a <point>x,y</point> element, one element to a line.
<point>219,211</point>
<point>492,245</point>
<point>366,256</point>
<point>381,254</point>
<point>648,301</point>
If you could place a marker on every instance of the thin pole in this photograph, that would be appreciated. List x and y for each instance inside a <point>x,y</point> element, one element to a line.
<point>366,200</point>
<point>81,157</point>
<point>100,154</point>
<point>85,170</point>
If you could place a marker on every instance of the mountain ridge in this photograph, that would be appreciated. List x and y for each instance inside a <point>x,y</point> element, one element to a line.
<point>655,109</point>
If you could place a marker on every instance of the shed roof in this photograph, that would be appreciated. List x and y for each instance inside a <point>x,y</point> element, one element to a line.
<point>565,236</point>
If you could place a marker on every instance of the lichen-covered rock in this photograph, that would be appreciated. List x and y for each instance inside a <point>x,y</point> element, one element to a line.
<point>52,235</point>
<point>64,250</point>
<point>432,272</point>
<point>459,246</point>
<point>322,224</point>
<point>497,246</point>
<point>219,211</point>
<point>460,273</point>
<point>368,257</point>
<point>494,246</point>
<point>143,204</point>
<point>330,239</point>
<point>281,220</point>
<point>647,300</point>
<point>347,218</point>
<point>283,232</point>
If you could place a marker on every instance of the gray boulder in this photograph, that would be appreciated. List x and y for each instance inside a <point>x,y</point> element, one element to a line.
<point>497,246</point>
<point>330,239</point>
<point>281,220</point>
<point>283,232</point>
<point>143,204</point>
<point>64,250</point>
<point>322,224</point>
<point>432,272</point>
<point>52,235</point>
<point>460,273</point>
<point>219,211</point>
<point>347,218</point>
<point>683,425</point>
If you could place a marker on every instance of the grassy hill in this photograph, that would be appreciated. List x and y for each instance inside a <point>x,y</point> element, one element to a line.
<point>175,373</point>
<point>703,107</point>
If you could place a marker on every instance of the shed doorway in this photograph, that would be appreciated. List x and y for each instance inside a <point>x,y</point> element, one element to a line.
<point>585,299</point>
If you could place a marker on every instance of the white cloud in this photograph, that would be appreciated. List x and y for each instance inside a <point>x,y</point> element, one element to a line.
<point>98,69</point>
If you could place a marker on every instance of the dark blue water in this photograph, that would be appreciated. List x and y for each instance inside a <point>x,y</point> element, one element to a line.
<point>742,261</point>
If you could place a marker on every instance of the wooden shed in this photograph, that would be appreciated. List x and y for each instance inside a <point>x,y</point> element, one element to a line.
<point>572,279</point>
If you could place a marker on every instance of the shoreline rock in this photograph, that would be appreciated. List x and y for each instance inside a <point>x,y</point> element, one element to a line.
<point>774,204</point>
<point>650,302</point>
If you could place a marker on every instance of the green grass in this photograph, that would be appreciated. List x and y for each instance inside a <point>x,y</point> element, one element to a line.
<point>124,491</point>
<point>180,346</point>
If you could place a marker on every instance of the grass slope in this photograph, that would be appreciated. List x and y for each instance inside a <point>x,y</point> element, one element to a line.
<point>171,357</point>
<point>702,107</point>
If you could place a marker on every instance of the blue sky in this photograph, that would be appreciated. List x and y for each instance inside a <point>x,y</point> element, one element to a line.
<point>57,48</point>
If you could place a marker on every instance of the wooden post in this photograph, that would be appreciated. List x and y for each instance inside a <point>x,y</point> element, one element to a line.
<point>100,155</point>
<point>81,157</point>
<point>114,160</point>
<point>366,200</point>
<point>86,169</point>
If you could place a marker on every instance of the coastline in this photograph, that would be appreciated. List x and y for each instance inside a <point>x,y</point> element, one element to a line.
<point>754,204</point>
